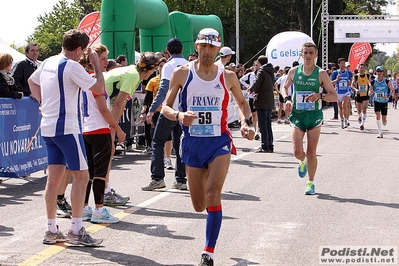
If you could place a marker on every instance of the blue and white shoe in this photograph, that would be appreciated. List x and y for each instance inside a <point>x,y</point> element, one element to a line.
<point>104,217</point>
<point>86,214</point>
<point>303,168</point>
<point>310,189</point>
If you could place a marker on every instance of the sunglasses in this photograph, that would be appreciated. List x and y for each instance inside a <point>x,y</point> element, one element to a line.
<point>209,38</point>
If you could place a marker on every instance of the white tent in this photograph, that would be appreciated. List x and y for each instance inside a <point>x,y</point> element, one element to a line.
<point>5,48</point>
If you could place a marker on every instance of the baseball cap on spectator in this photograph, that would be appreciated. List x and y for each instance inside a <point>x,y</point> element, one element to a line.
<point>295,63</point>
<point>347,64</point>
<point>209,36</point>
<point>225,51</point>
<point>232,65</point>
<point>371,71</point>
<point>174,46</point>
<point>379,69</point>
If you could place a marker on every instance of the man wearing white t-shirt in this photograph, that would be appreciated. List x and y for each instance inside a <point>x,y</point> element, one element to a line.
<point>164,127</point>
<point>57,86</point>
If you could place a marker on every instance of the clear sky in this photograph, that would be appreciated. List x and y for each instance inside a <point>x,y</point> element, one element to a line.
<point>19,20</point>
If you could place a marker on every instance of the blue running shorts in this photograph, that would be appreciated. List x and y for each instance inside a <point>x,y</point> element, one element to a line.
<point>199,152</point>
<point>68,150</point>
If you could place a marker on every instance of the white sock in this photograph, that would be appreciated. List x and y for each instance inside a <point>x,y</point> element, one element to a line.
<point>52,225</point>
<point>208,253</point>
<point>379,125</point>
<point>86,208</point>
<point>99,210</point>
<point>107,189</point>
<point>364,117</point>
<point>76,225</point>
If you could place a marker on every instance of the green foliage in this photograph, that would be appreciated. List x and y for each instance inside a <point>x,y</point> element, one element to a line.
<point>53,25</point>
<point>260,20</point>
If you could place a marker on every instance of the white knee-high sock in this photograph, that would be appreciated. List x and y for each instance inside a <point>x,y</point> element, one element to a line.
<point>379,126</point>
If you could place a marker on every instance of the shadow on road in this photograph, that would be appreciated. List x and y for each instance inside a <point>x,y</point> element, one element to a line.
<point>357,201</point>
<point>243,262</point>
<point>18,191</point>
<point>120,258</point>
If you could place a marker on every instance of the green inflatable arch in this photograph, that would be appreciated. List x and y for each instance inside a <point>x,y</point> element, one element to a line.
<point>120,18</point>
<point>186,27</point>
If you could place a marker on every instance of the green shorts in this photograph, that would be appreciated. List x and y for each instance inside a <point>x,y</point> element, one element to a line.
<point>306,120</point>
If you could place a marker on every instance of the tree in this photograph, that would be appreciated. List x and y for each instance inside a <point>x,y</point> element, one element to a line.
<point>63,17</point>
<point>260,20</point>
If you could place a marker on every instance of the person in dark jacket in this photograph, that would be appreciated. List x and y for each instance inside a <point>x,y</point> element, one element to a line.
<point>8,89</point>
<point>264,102</point>
<point>25,68</point>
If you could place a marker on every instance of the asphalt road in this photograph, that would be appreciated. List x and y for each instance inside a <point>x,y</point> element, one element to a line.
<point>267,220</point>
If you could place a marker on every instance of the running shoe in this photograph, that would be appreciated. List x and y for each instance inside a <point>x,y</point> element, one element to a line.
<point>380,136</point>
<point>52,238</point>
<point>147,150</point>
<point>82,238</point>
<point>104,217</point>
<point>303,168</point>
<point>342,124</point>
<point>310,189</point>
<point>154,184</point>
<point>64,209</point>
<point>279,121</point>
<point>119,195</point>
<point>261,150</point>
<point>110,199</point>
<point>168,164</point>
<point>87,213</point>
<point>361,127</point>
<point>287,122</point>
<point>178,185</point>
<point>206,260</point>
<point>256,136</point>
<point>359,119</point>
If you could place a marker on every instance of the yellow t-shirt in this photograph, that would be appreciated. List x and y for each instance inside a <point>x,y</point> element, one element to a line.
<point>153,86</point>
<point>125,79</point>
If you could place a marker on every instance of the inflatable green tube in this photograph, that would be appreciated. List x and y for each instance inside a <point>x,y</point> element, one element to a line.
<point>186,27</point>
<point>120,18</point>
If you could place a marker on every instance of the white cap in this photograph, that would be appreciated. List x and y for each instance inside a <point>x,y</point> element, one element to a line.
<point>225,51</point>
<point>209,36</point>
<point>347,64</point>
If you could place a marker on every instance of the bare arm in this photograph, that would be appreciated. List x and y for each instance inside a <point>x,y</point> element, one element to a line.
<point>119,105</point>
<point>326,83</point>
<point>390,86</point>
<point>243,107</point>
<point>177,81</point>
<point>99,86</point>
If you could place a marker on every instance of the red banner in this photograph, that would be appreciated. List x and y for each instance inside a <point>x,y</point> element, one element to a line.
<point>358,54</point>
<point>91,25</point>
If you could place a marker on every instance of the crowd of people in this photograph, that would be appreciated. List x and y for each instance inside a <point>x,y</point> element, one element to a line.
<point>82,95</point>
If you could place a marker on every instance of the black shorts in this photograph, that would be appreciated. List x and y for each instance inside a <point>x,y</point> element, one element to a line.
<point>360,99</point>
<point>280,98</point>
<point>98,152</point>
<point>381,107</point>
<point>251,105</point>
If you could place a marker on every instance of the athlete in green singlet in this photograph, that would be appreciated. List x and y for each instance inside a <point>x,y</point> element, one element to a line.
<point>305,106</point>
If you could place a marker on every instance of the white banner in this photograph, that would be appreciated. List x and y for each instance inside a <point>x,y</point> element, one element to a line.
<point>373,31</point>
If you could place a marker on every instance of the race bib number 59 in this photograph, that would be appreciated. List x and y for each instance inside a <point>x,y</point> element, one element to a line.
<point>208,122</point>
